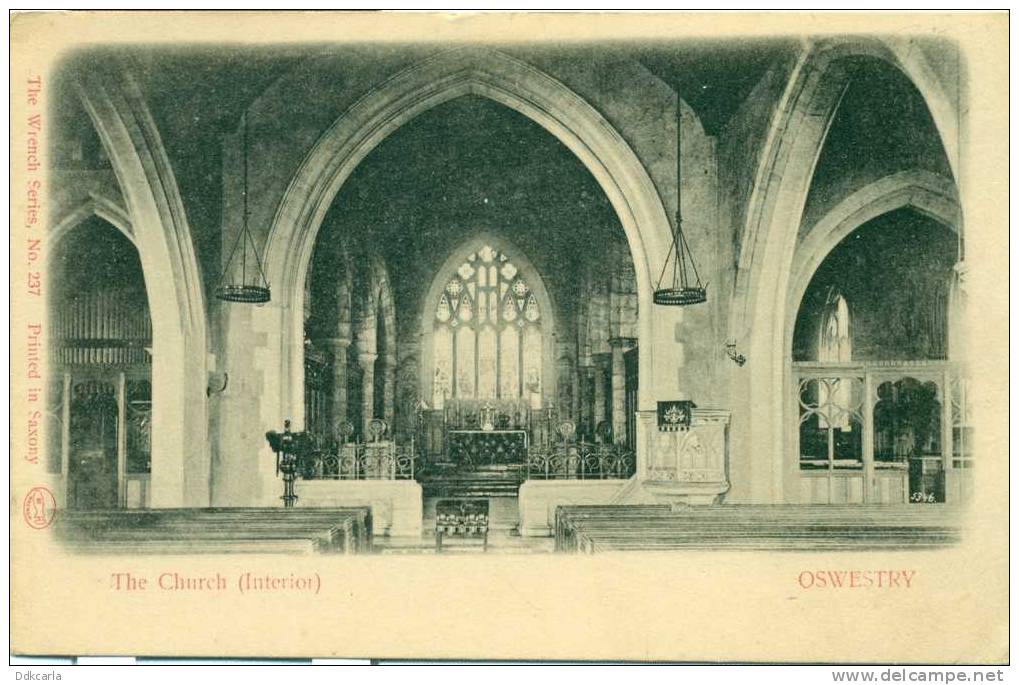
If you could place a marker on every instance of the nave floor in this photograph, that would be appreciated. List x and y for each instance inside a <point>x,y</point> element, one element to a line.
<point>503,537</point>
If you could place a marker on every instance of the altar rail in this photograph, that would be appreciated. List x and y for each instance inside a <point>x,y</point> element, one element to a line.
<point>581,461</point>
<point>382,460</point>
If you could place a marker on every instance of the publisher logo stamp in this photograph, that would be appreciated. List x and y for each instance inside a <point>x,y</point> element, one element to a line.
<point>39,508</point>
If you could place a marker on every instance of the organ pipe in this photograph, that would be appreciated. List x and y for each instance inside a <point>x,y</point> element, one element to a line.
<point>102,329</point>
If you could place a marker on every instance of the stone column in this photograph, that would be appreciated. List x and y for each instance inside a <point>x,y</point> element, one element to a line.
<point>574,396</point>
<point>564,386</point>
<point>599,391</point>
<point>619,346</point>
<point>339,346</point>
<point>585,378</point>
<point>955,343</point>
<point>366,360</point>
<point>389,390</point>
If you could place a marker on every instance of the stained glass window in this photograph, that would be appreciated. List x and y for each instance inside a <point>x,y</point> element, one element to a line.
<point>487,337</point>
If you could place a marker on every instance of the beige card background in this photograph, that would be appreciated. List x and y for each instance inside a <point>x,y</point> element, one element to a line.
<point>678,606</point>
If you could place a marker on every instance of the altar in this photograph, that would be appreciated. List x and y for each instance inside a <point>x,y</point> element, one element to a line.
<point>472,448</point>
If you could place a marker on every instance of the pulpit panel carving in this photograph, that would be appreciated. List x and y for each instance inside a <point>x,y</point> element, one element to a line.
<point>694,455</point>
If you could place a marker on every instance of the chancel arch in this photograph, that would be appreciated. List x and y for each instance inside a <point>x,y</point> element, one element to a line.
<point>491,75</point>
<point>488,249</point>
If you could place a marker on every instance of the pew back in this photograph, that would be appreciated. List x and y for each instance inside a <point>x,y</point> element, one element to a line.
<point>220,530</point>
<point>598,528</point>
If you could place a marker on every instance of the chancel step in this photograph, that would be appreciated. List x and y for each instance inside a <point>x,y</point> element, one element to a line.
<point>483,481</point>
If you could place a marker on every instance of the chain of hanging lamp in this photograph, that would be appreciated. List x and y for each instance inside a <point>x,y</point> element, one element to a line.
<point>678,288</point>
<point>257,291</point>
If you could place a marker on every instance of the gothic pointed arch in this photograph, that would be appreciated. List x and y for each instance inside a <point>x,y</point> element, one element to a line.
<point>181,475</point>
<point>924,191</point>
<point>768,239</point>
<point>101,206</point>
<point>487,73</point>
<point>99,341</point>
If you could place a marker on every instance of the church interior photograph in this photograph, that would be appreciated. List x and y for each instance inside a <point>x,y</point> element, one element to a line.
<point>507,298</point>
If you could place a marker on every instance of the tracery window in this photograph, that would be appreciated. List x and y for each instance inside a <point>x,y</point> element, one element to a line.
<point>487,336</point>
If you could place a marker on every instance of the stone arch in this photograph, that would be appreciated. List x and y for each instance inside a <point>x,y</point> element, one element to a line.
<point>181,468</point>
<point>97,205</point>
<point>464,71</point>
<point>795,139</point>
<point>533,279</point>
<point>61,228</point>
<point>928,193</point>
<point>924,191</point>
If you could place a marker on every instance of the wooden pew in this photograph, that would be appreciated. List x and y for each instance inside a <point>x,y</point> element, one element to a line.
<point>357,519</point>
<point>349,528</point>
<point>761,527</point>
<point>881,515</point>
<point>567,519</point>
<point>292,547</point>
<point>328,531</point>
<point>779,539</point>
<point>342,530</point>
<point>321,537</point>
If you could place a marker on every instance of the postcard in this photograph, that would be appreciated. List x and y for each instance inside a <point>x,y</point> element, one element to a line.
<point>533,336</point>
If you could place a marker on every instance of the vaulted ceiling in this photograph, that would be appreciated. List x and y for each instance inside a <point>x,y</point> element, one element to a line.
<point>713,77</point>
<point>197,94</point>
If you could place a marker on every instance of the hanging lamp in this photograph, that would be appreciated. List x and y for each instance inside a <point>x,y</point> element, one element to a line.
<point>677,289</point>
<point>256,289</point>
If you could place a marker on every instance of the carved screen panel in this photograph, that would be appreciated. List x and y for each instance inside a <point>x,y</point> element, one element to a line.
<point>907,432</point>
<point>962,424</point>
<point>139,426</point>
<point>831,423</point>
<point>93,445</point>
<point>317,390</point>
<point>907,421</point>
